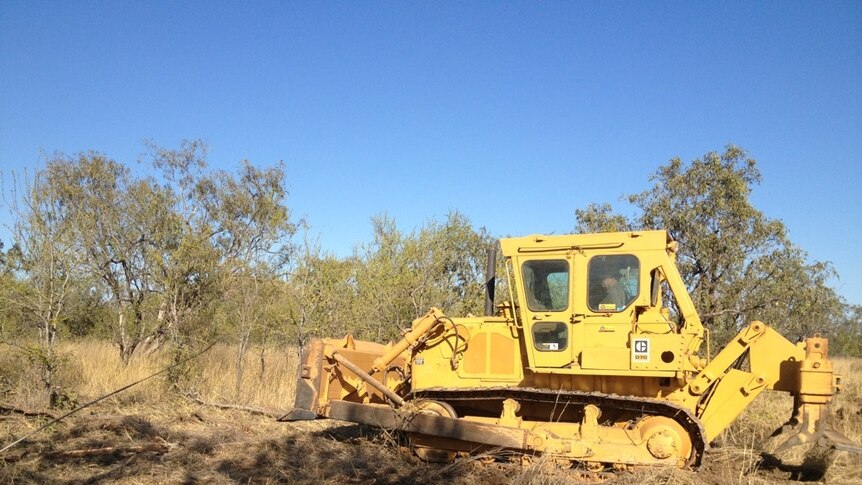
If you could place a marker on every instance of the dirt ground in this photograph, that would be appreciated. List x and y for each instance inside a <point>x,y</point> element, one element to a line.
<point>189,443</point>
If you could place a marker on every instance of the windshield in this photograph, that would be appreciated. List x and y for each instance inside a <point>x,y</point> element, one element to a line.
<point>613,282</point>
<point>547,284</point>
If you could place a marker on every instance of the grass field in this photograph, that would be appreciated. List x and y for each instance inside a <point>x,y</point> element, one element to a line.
<point>149,434</point>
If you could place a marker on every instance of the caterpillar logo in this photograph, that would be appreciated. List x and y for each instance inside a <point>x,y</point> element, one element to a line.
<point>640,350</point>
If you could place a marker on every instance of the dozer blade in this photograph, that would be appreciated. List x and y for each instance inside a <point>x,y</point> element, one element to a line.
<point>333,370</point>
<point>354,370</point>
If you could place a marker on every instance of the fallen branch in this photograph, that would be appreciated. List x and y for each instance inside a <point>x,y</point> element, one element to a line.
<point>30,413</point>
<point>111,450</point>
<point>249,409</point>
<point>12,458</point>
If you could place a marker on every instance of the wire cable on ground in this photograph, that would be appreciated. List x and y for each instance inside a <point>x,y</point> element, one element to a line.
<point>84,406</point>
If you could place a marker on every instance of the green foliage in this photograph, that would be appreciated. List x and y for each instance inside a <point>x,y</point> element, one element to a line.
<point>600,218</point>
<point>739,265</point>
<point>401,276</point>
<point>152,257</point>
<point>322,295</point>
<point>121,225</point>
<point>846,335</point>
<point>390,281</point>
<point>43,252</point>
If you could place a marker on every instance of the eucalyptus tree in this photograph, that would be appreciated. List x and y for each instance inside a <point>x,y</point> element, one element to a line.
<point>248,224</point>
<point>738,263</point>
<point>322,297</point>
<point>118,227</point>
<point>40,272</point>
<point>383,282</point>
<point>400,276</point>
<point>165,247</point>
<point>846,337</point>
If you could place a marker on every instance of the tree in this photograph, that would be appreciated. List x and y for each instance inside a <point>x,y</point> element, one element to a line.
<point>249,312</point>
<point>600,218</point>
<point>119,227</point>
<point>322,298</point>
<point>248,225</point>
<point>846,338</point>
<point>450,263</point>
<point>738,264</point>
<point>44,254</point>
<point>164,250</point>
<point>401,276</point>
<point>389,282</point>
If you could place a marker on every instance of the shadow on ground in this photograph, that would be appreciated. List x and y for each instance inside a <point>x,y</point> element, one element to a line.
<point>195,449</point>
<point>194,445</point>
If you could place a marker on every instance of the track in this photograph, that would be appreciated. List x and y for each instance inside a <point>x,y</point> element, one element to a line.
<point>638,406</point>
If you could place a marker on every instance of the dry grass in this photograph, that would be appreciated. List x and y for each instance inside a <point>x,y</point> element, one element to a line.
<point>216,446</point>
<point>269,379</point>
<point>91,369</point>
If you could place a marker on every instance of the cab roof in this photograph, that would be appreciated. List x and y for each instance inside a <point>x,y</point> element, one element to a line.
<point>626,241</point>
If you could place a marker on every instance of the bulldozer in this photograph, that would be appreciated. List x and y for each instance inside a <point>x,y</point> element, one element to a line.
<point>596,359</point>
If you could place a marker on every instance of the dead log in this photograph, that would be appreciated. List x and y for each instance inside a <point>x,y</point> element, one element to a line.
<point>249,409</point>
<point>30,413</point>
<point>111,450</point>
<point>92,452</point>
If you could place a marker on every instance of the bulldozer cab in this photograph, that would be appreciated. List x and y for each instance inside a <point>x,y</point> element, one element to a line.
<point>587,301</point>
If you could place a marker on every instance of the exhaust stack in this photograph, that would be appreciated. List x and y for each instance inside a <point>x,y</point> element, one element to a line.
<point>490,280</point>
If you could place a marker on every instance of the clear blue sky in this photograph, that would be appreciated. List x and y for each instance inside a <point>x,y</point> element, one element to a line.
<point>513,113</point>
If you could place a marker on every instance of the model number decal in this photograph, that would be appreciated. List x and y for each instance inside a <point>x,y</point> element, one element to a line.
<point>640,350</point>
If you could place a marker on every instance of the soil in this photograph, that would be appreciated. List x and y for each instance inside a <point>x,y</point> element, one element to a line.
<point>189,443</point>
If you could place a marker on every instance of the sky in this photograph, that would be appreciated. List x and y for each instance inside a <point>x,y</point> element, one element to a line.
<point>513,113</point>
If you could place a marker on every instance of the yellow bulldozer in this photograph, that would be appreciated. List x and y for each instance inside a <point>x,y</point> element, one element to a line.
<point>595,359</point>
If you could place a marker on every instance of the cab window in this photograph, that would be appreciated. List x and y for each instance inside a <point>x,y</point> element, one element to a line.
<point>547,285</point>
<point>613,282</point>
<point>550,336</point>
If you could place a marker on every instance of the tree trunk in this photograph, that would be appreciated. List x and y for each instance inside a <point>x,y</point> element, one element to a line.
<point>240,364</point>
<point>154,341</point>
<point>48,365</point>
<point>122,340</point>
<point>262,363</point>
